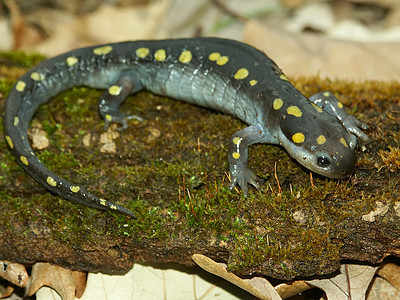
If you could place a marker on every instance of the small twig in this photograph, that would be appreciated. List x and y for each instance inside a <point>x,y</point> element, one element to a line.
<point>277,181</point>
<point>312,180</point>
<point>348,281</point>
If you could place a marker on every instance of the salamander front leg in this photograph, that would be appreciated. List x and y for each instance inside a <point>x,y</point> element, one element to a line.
<point>238,155</point>
<point>114,96</point>
<point>329,103</point>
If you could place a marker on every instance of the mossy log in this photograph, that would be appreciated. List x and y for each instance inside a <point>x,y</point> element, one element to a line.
<point>170,170</point>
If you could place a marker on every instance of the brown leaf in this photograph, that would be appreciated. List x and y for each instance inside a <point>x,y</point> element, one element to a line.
<point>351,282</point>
<point>290,289</point>
<point>24,34</point>
<point>6,292</point>
<point>66,283</point>
<point>391,272</point>
<point>257,286</point>
<point>14,273</point>
<point>80,281</point>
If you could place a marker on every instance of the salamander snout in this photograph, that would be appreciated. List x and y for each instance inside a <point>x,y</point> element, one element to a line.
<point>333,158</point>
<point>336,166</point>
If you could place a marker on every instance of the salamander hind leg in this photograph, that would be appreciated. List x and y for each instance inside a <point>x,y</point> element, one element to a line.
<point>329,103</point>
<point>114,96</point>
<point>238,155</point>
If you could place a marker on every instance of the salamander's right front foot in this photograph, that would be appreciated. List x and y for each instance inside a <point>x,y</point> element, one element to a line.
<point>242,177</point>
<point>118,117</point>
<point>238,154</point>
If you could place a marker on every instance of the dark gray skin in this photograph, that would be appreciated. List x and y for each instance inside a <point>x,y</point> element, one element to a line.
<point>223,75</point>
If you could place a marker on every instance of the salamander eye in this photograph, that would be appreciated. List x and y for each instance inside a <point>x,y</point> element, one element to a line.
<point>323,161</point>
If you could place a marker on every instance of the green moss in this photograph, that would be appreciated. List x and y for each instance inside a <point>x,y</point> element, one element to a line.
<point>20,59</point>
<point>391,158</point>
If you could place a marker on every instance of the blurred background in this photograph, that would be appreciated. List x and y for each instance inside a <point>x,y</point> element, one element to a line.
<point>354,40</point>
<point>345,39</point>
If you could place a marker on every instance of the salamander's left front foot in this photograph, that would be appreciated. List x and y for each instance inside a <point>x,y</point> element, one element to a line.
<point>354,126</point>
<point>329,103</point>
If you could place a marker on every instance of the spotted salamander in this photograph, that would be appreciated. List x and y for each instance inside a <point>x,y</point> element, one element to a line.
<point>224,75</point>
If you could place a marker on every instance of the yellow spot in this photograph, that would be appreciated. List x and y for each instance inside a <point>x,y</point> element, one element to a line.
<point>326,94</point>
<point>321,140</point>
<point>72,60</point>
<point>20,86</point>
<point>185,57</point>
<point>9,142</point>
<point>24,160</point>
<point>222,60</point>
<point>51,181</point>
<point>236,155</point>
<point>113,206</point>
<point>115,90</point>
<point>37,76</point>
<point>241,73</point>
<point>283,77</point>
<point>278,102</point>
<point>103,50</point>
<point>298,138</point>
<point>16,121</point>
<point>160,55</point>
<point>103,202</point>
<point>108,117</point>
<point>214,56</point>
<point>253,82</point>
<point>237,140</point>
<point>340,105</point>
<point>74,188</point>
<point>317,108</point>
<point>142,52</point>
<point>294,111</point>
<point>344,143</point>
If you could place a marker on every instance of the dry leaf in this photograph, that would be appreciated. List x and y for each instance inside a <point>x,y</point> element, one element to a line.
<point>391,272</point>
<point>24,34</point>
<point>257,286</point>
<point>66,283</point>
<point>14,273</point>
<point>381,289</point>
<point>80,282</point>
<point>351,282</point>
<point>290,289</point>
<point>6,292</point>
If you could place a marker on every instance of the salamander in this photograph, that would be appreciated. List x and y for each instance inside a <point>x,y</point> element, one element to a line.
<point>224,75</point>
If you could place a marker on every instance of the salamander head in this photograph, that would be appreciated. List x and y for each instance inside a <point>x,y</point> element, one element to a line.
<point>320,143</point>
